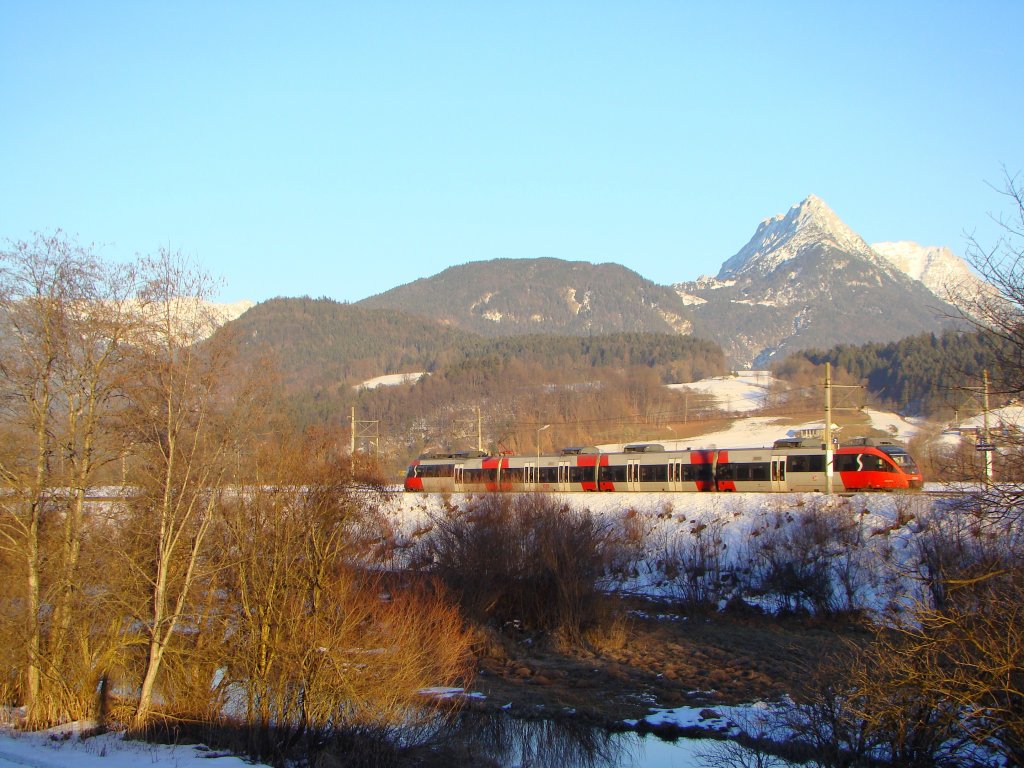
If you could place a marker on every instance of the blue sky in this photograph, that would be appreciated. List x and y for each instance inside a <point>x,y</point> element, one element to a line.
<point>340,149</point>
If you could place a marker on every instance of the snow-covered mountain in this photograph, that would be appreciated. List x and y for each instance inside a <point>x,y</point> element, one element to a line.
<point>805,279</point>
<point>941,271</point>
<point>806,226</point>
<point>224,313</point>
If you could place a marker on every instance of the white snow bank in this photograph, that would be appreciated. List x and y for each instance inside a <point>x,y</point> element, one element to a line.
<point>744,391</point>
<point>391,380</point>
<point>65,748</point>
<point>900,428</point>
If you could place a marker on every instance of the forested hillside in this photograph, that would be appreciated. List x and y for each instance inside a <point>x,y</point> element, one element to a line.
<point>923,375</point>
<point>320,349</point>
<point>507,297</point>
<point>317,340</point>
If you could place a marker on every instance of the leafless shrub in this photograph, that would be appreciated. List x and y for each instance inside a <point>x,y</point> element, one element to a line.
<point>936,686</point>
<point>954,541</point>
<point>796,557</point>
<point>692,561</point>
<point>527,561</point>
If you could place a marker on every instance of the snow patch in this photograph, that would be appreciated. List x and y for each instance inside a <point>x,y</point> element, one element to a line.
<point>743,392</point>
<point>391,380</point>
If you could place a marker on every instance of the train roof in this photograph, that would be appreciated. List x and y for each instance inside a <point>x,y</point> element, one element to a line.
<point>873,442</point>
<point>644,448</point>
<point>454,455</point>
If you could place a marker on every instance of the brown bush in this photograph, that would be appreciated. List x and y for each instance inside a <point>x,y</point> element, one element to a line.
<point>527,562</point>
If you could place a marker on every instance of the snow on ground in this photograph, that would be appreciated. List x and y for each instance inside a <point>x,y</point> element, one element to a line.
<point>1000,420</point>
<point>746,392</point>
<point>900,428</point>
<point>671,524</point>
<point>65,748</point>
<point>743,391</point>
<point>750,432</point>
<point>391,380</point>
<point>888,522</point>
<point>56,750</point>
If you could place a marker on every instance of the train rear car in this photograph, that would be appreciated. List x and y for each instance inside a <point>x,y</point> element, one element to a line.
<point>435,472</point>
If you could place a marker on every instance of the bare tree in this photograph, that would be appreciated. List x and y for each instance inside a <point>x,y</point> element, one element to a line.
<point>999,314</point>
<point>319,641</point>
<point>67,319</point>
<point>180,424</point>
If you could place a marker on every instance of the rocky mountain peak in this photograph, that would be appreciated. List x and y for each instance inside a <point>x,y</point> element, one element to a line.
<point>943,272</point>
<point>780,238</point>
<point>937,267</point>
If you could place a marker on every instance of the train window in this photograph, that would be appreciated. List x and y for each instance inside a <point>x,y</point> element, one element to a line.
<point>615,473</point>
<point>654,473</point>
<point>581,474</point>
<point>548,475</point>
<point>694,473</point>
<point>758,471</point>
<point>432,470</point>
<point>871,463</point>
<point>901,458</point>
<point>752,471</point>
<point>862,462</point>
<point>513,475</point>
<point>811,463</point>
<point>846,462</point>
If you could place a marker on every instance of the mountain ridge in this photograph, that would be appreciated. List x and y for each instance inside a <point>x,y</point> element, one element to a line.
<point>513,296</point>
<point>804,279</point>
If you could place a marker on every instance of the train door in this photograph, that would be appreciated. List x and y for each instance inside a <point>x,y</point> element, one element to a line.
<point>632,475</point>
<point>529,473</point>
<point>459,477</point>
<point>563,477</point>
<point>779,482</point>
<point>675,475</point>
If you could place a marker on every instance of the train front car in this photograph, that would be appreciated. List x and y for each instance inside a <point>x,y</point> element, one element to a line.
<point>877,464</point>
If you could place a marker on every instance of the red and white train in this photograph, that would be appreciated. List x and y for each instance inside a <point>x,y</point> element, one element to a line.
<point>789,466</point>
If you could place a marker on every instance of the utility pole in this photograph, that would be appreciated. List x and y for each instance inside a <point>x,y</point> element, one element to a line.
<point>985,434</point>
<point>827,432</point>
<point>983,442</point>
<point>479,431</point>
<point>367,429</point>
<point>479,428</point>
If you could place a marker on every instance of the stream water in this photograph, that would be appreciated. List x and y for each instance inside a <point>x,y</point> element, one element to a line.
<point>512,743</point>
